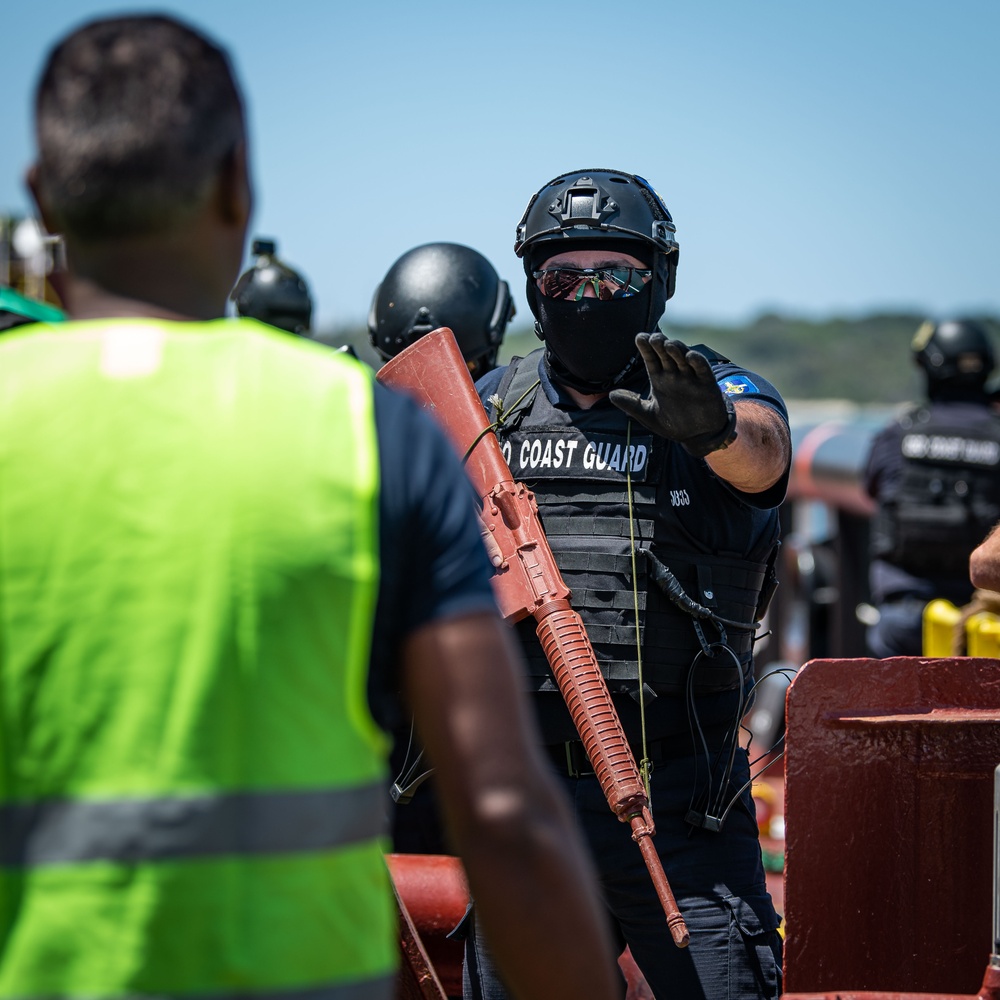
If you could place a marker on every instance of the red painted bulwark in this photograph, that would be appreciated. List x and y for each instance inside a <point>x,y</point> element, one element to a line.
<point>434,894</point>
<point>889,825</point>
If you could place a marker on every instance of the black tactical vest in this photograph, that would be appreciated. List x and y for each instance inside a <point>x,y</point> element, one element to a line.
<point>949,495</point>
<point>580,470</point>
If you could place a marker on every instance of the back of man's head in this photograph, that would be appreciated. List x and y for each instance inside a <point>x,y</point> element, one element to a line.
<point>134,116</point>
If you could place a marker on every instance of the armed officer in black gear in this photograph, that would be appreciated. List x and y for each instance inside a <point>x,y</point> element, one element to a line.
<point>934,474</point>
<point>272,292</point>
<point>430,286</point>
<point>442,284</point>
<point>657,469</point>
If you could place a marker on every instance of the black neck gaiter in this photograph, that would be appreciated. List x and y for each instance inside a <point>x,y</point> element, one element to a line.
<point>955,391</point>
<point>591,344</point>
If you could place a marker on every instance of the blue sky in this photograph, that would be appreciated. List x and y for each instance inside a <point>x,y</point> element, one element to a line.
<point>819,158</point>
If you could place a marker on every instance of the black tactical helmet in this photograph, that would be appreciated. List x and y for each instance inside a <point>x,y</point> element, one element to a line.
<point>957,352</point>
<point>588,209</point>
<point>442,284</point>
<point>272,292</point>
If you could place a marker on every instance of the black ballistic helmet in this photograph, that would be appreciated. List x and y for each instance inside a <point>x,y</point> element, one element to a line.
<point>591,209</point>
<point>955,352</point>
<point>272,292</point>
<point>442,284</point>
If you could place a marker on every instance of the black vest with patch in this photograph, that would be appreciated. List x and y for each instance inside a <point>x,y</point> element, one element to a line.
<point>949,494</point>
<point>580,468</point>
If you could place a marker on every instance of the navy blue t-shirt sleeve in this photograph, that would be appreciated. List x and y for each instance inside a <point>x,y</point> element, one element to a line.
<point>433,562</point>
<point>739,383</point>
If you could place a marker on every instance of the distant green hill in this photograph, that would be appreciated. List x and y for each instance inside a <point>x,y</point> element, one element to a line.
<point>864,360</point>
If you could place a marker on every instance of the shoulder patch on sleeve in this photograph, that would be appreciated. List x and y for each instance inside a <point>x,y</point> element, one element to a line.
<point>738,385</point>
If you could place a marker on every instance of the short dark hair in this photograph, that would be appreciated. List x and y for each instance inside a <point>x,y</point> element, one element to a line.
<point>134,116</point>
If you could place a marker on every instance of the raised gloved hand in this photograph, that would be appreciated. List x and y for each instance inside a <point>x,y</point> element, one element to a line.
<point>685,403</point>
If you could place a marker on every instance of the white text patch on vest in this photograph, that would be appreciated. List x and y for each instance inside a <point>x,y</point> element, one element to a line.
<point>951,449</point>
<point>532,454</point>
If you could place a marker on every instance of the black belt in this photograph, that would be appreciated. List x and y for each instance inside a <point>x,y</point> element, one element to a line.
<point>571,759</point>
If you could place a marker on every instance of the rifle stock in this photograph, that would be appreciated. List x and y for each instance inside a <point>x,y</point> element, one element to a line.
<point>529,582</point>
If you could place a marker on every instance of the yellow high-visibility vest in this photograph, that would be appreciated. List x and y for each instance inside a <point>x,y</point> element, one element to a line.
<point>192,786</point>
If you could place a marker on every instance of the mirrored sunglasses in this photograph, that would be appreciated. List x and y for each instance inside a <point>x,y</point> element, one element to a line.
<point>607,282</point>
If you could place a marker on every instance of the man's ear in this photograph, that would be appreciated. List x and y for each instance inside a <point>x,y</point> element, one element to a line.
<point>32,182</point>
<point>235,194</point>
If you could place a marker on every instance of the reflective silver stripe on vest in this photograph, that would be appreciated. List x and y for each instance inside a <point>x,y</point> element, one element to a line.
<point>382,988</point>
<point>130,830</point>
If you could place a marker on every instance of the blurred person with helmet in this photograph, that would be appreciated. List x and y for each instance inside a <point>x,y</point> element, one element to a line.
<point>934,474</point>
<point>270,291</point>
<point>442,284</point>
<point>427,287</point>
<point>657,470</point>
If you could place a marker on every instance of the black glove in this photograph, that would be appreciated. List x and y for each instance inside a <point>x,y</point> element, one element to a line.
<point>686,404</point>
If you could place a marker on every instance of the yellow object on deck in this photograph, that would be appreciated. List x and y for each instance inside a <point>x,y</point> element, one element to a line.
<point>982,635</point>
<point>940,619</point>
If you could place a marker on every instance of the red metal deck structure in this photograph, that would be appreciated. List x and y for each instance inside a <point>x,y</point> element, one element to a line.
<point>889,818</point>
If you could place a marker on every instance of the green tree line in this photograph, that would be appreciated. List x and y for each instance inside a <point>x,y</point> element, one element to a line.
<point>864,360</point>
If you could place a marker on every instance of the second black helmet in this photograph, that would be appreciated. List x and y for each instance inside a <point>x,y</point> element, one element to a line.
<point>442,284</point>
<point>957,352</point>
<point>270,291</point>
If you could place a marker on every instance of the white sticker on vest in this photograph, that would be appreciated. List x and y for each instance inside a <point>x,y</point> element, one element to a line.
<point>131,351</point>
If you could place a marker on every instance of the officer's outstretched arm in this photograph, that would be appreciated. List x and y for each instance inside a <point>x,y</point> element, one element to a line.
<point>745,443</point>
<point>759,456</point>
<point>528,870</point>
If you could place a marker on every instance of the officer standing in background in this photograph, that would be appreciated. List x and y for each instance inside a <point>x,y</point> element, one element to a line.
<point>935,475</point>
<point>272,292</point>
<point>651,464</point>
<point>430,286</point>
<point>212,534</point>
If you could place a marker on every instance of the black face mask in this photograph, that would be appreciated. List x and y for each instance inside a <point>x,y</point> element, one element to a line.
<point>590,343</point>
